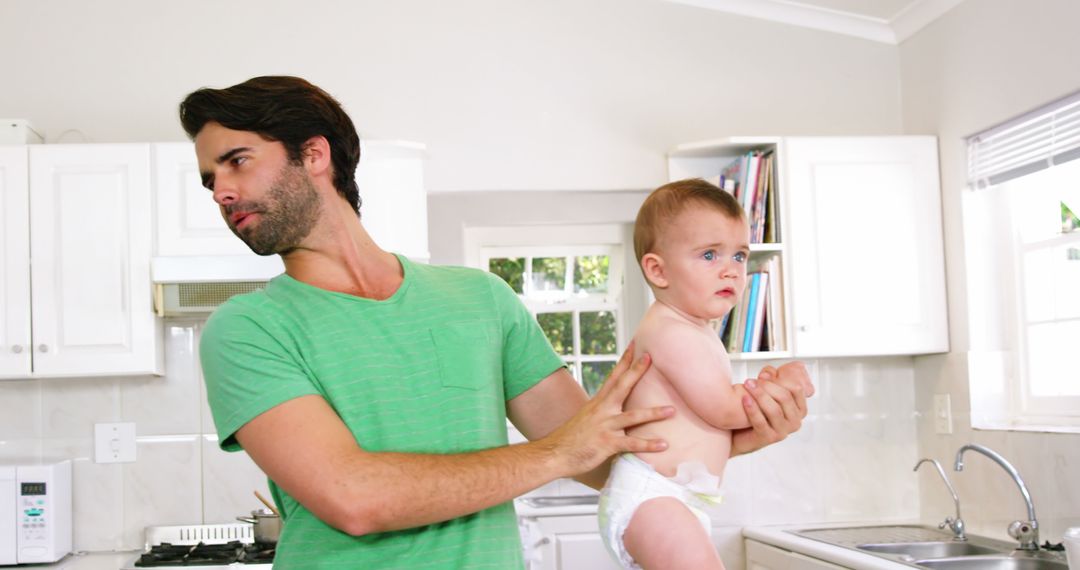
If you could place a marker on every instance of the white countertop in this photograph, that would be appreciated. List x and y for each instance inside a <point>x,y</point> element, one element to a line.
<point>779,537</point>
<point>90,561</point>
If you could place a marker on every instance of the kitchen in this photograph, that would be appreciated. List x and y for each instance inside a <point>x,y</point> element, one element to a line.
<point>555,113</point>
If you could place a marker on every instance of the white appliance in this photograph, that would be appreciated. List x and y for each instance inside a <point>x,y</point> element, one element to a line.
<point>35,512</point>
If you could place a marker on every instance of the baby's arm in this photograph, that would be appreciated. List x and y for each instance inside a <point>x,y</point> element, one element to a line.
<point>700,373</point>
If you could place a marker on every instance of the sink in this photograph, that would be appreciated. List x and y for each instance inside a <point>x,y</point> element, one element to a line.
<point>936,549</point>
<point>998,562</point>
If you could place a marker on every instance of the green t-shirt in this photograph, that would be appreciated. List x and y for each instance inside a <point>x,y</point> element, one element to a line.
<point>428,370</point>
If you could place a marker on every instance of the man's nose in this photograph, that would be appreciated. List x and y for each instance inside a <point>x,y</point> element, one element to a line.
<point>225,191</point>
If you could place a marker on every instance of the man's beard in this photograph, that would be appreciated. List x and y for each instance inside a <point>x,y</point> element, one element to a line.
<point>286,215</point>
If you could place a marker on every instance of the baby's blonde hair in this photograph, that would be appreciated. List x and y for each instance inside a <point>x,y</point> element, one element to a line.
<point>669,200</point>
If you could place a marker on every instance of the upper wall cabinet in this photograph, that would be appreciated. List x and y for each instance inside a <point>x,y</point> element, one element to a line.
<point>868,268</point>
<point>848,231</point>
<point>390,178</point>
<point>82,213</point>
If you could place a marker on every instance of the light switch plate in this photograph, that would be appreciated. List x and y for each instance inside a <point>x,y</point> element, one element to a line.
<point>942,414</point>
<point>114,443</point>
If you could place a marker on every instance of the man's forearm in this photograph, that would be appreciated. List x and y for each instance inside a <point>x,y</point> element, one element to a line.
<point>393,491</point>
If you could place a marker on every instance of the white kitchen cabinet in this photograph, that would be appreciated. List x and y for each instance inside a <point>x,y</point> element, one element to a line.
<point>860,243</point>
<point>569,543</point>
<point>865,237</point>
<point>14,263</point>
<point>85,210</point>
<point>761,556</point>
<point>390,179</point>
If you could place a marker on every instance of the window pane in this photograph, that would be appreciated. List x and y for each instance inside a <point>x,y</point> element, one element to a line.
<point>594,375</point>
<point>1052,364</point>
<point>591,274</point>
<point>549,273</point>
<point>559,331</point>
<point>511,270</point>
<point>598,332</point>
<point>1051,282</point>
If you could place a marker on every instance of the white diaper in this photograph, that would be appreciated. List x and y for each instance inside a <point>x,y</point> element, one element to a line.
<point>633,481</point>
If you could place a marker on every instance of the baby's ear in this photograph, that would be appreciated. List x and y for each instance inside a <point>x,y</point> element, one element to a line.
<point>652,266</point>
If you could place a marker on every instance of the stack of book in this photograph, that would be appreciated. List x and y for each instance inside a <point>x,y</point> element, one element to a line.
<point>752,180</point>
<point>756,323</point>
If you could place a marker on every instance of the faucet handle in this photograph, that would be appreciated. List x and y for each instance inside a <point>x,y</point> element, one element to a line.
<point>956,526</point>
<point>1024,531</point>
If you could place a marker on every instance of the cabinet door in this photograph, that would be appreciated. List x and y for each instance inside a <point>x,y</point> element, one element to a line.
<point>760,556</point>
<point>188,221</point>
<point>864,232</point>
<point>91,244</point>
<point>583,550</point>
<point>14,264</point>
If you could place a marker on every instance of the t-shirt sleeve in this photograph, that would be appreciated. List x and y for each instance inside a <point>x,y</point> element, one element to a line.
<point>248,369</point>
<point>527,356</point>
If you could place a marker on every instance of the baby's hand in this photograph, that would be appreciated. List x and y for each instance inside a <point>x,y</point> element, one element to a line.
<point>792,376</point>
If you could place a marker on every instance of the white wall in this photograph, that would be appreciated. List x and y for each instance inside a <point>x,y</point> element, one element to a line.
<point>507,94</point>
<point>987,61</point>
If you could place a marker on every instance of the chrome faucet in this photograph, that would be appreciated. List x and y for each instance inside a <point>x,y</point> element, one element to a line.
<point>1027,532</point>
<point>956,525</point>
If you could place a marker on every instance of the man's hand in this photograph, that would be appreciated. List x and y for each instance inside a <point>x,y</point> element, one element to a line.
<point>776,408</point>
<point>597,431</point>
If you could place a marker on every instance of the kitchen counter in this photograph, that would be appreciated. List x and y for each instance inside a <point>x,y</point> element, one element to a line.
<point>89,561</point>
<point>778,537</point>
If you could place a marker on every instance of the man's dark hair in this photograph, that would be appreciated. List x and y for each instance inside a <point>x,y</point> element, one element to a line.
<point>285,109</point>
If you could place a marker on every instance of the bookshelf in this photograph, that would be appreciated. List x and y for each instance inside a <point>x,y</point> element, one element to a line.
<point>757,329</point>
<point>858,245</point>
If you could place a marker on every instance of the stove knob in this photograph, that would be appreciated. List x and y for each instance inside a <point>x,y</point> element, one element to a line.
<point>17,348</point>
<point>43,348</point>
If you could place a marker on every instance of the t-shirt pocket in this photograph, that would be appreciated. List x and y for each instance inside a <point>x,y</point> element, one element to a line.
<point>468,357</point>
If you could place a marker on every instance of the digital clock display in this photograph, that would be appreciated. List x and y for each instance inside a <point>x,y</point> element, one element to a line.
<point>33,488</point>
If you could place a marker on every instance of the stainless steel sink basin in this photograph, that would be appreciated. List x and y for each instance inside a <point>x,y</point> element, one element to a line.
<point>936,549</point>
<point>998,562</point>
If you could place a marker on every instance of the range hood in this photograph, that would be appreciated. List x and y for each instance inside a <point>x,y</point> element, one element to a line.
<point>194,285</point>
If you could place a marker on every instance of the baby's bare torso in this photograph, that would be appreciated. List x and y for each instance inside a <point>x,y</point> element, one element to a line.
<point>688,436</point>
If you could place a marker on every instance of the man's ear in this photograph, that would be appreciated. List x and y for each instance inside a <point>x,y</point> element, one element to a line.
<point>315,154</point>
<point>652,266</point>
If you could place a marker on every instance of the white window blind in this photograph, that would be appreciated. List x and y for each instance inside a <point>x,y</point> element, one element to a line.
<point>1040,139</point>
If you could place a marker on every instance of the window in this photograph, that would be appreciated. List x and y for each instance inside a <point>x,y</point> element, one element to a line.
<point>571,278</point>
<point>574,294</point>
<point>1022,235</point>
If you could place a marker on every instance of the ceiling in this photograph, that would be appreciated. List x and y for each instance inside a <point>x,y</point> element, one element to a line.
<point>886,21</point>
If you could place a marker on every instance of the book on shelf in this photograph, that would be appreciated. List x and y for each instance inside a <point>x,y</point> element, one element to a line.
<point>754,281</point>
<point>758,313</point>
<point>751,178</point>
<point>756,322</point>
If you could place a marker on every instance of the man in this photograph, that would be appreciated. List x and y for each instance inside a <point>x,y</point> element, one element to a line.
<point>373,391</point>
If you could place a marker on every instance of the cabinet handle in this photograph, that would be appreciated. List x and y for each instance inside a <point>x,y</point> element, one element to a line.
<point>16,348</point>
<point>43,348</point>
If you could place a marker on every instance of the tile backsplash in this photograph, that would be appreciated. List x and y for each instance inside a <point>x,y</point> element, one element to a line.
<point>852,460</point>
<point>179,477</point>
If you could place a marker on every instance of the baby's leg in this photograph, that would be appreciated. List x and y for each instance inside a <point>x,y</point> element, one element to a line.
<point>663,534</point>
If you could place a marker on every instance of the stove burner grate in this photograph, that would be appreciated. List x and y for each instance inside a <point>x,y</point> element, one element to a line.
<point>202,554</point>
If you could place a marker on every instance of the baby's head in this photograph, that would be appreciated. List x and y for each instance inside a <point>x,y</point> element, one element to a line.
<point>691,240</point>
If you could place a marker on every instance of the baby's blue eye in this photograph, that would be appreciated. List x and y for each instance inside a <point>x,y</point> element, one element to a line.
<point>740,257</point>
<point>709,255</point>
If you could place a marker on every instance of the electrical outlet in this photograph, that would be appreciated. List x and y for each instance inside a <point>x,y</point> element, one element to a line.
<point>114,443</point>
<point>942,414</point>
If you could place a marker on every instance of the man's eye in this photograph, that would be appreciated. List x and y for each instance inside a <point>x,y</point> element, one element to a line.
<point>740,257</point>
<point>238,160</point>
<point>709,255</point>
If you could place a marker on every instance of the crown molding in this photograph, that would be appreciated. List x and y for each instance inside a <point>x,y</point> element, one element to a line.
<point>919,15</point>
<point>915,17</point>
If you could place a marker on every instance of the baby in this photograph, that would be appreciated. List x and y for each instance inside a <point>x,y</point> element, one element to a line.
<point>692,242</point>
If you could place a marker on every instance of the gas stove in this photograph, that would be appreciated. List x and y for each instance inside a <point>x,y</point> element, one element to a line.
<point>207,547</point>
